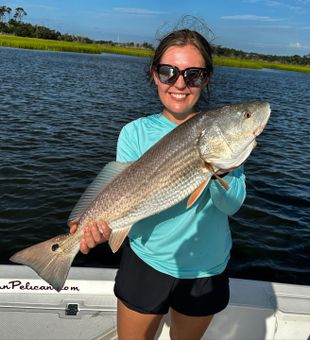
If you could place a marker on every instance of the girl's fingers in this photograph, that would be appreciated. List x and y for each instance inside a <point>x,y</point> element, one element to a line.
<point>73,228</point>
<point>88,237</point>
<point>104,230</point>
<point>94,234</point>
<point>83,247</point>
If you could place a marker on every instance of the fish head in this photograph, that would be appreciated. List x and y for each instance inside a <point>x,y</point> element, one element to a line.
<point>230,139</point>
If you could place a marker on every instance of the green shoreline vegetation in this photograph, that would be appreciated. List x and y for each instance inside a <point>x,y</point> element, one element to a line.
<point>68,46</point>
<point>17,34</point>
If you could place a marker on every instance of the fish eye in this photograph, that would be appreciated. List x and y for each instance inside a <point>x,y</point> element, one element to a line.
<point>247,114</point>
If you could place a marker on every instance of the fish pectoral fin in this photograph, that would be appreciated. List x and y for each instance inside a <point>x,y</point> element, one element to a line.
<point>49,259</point>
<point>197,193</point>
<point>117,237</point>
<point>223,183</point>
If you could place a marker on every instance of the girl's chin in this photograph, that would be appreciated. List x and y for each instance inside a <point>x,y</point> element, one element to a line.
<point>178,115</point>
<point>181,110</point>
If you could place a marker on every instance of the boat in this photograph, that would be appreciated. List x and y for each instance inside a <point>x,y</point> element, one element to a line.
<point>86,308</point>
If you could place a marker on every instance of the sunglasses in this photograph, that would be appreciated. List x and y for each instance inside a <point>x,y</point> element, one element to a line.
<point>193,76</point>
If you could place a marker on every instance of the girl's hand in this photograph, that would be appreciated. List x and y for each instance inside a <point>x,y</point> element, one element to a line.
<point>94,234</point>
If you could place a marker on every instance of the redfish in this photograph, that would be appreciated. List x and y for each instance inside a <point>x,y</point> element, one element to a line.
<point>179,166</point>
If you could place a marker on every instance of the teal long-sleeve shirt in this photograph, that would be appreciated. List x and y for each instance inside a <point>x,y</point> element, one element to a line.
<point>183,242</point>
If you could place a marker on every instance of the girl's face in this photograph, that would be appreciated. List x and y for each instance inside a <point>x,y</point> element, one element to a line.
<point>178,99</point>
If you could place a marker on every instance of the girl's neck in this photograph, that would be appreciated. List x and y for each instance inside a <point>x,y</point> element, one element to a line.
<point>178,118</point>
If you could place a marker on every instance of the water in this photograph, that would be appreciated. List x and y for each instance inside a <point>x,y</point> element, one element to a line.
<point>61,113</point>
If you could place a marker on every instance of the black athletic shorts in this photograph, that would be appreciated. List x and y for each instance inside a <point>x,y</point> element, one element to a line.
<point>146,290</point>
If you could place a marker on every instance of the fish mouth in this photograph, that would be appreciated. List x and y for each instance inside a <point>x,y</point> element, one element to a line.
<point>260,129</point>
<point>263,124</point>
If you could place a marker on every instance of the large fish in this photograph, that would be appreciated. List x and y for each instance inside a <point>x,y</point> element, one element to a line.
<point>180,165</point>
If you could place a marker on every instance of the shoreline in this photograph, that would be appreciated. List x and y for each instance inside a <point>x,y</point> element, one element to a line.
<point>65,46</point>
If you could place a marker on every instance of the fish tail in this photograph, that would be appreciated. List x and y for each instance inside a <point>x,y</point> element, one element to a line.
<point>50,259</point>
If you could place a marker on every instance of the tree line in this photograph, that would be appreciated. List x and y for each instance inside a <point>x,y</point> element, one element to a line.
<point>12,23</point>
<point>230,52</point>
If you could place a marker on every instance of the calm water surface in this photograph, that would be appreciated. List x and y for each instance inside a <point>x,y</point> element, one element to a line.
<point>61,113</point>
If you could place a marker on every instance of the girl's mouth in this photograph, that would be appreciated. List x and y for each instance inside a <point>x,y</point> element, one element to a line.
<point>178,96</point>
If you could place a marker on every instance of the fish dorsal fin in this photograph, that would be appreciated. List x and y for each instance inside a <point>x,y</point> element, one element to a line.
<point>197,193</point>
<point>117,237</point>
<point>105,176</point>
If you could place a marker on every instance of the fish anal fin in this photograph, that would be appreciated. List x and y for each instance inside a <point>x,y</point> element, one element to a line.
<point>117,237</point>
<point>197,193</point>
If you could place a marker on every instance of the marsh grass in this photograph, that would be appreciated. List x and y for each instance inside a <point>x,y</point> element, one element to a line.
<point>64,46</point>
<point>244,63</point>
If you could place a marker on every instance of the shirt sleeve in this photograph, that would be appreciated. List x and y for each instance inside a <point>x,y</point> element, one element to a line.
<point>127,145</point>
<point>229,201</point>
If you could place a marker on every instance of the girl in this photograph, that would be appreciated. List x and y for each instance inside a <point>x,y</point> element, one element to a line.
<point>175,260</point>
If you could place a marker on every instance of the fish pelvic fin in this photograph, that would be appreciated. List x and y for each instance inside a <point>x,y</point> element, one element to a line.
<point>197,193</point>
<point>117,237</point>
<point>223,183</point>
<point>49,260</point>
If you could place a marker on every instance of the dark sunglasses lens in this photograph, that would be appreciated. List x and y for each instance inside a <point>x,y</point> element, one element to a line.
<point>167,74</point>
<point>194,77</point>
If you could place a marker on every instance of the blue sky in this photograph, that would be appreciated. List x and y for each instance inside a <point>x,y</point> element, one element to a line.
<point>280,27</point>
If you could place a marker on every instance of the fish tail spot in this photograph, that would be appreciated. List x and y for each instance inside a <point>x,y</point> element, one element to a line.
<point>55,246</point>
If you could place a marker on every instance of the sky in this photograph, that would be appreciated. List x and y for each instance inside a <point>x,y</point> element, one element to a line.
<point>277,27</point>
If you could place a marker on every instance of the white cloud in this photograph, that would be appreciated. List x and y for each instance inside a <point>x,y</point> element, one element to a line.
<point>42,7</point>
<point>298,45</point>
<point>137,11</point>
<point>249,17</point>
<point>297,6</point>
<point>273,27</point>
<point>295,45</point>
<point>303,2</point>
<point>243,17</point>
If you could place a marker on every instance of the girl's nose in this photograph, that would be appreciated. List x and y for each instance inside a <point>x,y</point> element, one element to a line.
<point>180,83</point>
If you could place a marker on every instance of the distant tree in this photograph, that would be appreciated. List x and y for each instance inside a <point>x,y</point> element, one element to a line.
<point>5,10</point>
<point>24,30</point>
<point>43,32</point>
<point>2,13</point>
<point>148,46</point>
<point>66,37</point>
<point>8,12</point>
<point>19,14</point>
<point>82,39</point>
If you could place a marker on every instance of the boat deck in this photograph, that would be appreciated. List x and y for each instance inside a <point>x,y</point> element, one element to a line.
<point>86,308</point>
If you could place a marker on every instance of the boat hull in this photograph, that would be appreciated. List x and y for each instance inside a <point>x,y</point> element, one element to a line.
<point>86,308</point>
